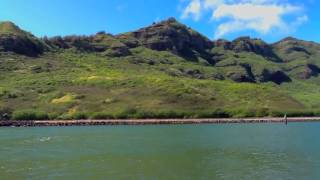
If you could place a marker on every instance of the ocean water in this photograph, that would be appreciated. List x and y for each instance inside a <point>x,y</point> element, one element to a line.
<point>230,151</point>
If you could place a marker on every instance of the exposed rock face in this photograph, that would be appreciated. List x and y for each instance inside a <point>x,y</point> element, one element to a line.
<point>117,50</point>
<point>239,77</point>
<point>310,70</point>
<point>225,44</point>
<point>194,73</point>
<point>277,77</point>
<point>256,46</point>
<point>250,45</point>
<point>57,41</point>
<point>240,73</point>
<point>106,44</point>
<point>20,45</point>
<point>81,43</point>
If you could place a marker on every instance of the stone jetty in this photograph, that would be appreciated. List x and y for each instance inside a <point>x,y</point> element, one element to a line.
<point>35,123</point>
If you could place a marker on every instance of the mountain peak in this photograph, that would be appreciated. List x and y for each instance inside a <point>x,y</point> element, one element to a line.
<point>290,39</point>
<point>9,27</point>
<point>171,35</point>
<point>170,20</point>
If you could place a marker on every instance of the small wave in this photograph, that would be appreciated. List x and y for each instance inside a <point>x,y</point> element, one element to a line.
<point>45,139</point>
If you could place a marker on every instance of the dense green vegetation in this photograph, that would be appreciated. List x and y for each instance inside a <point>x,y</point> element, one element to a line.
<point>105,76</point>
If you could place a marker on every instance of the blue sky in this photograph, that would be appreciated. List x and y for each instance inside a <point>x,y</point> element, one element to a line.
<point>270,20</point>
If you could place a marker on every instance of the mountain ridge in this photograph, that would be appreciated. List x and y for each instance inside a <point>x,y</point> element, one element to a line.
<point>172,22</point>
<point>175,37</point>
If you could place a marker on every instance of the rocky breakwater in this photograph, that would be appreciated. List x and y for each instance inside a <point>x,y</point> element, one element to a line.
<point>153,121</point>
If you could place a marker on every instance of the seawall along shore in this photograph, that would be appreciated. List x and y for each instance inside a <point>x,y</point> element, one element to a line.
<point>35,123</point>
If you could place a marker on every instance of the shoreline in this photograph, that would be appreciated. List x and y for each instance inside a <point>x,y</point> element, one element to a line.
<point>39,123</point>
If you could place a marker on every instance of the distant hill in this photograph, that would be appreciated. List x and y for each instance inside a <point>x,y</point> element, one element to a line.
<point>164,70</point>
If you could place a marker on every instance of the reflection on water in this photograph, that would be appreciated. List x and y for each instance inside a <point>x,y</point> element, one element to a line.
<point>239,151</point>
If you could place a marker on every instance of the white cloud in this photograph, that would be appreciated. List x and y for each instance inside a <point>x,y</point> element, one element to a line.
<point>300,20</point>
<point>212,3</point>
<point>262,16</point>
<point>193,9</point>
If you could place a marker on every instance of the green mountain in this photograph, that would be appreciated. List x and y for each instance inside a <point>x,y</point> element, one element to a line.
<point>165,70</point>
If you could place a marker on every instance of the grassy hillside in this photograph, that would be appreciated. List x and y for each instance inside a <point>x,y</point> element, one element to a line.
<point>129,80</point>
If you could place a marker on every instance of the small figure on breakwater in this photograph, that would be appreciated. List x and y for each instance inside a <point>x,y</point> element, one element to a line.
<point>285,119</point>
